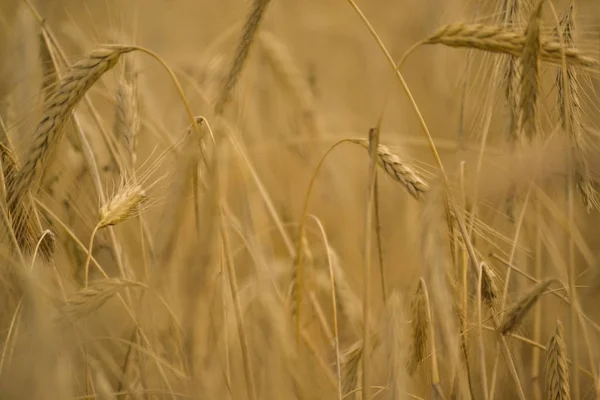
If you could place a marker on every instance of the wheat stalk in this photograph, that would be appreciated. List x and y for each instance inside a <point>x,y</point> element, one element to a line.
<point>498,39</point>
<point>397,169</point>
<point>515,313</point>
<point>557,366</point>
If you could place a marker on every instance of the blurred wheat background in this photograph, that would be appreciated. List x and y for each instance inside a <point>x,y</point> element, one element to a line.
<point>241,199</point>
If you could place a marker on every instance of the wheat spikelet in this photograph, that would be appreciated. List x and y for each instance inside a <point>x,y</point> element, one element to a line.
<point>571,120</point>
<point>123,205</point>
<point>397,169</point>
<point>530,75</point>
<point>497,39</point>
<point>241,54</point>
<point>351,370</point>
<point>418,308</point>
<point>515,313</point>
<point>557,367</point>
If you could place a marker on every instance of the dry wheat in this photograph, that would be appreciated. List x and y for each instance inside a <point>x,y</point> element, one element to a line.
<point>557,366</point>
<point>515,313</point>
<point>397,169</point>
<point>497,39</point>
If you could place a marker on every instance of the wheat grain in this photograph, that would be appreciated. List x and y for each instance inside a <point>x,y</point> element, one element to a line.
<point>515,313</point>
<point>557,367</point>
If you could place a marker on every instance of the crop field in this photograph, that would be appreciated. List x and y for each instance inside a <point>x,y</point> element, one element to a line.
<point>284,199</point>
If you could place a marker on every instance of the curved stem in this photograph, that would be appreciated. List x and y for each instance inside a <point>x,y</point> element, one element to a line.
<point>89,257</point>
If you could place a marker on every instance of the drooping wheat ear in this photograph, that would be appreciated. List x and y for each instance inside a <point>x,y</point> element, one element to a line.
<point>57,110</point>
<point>397,169</point>
<point>530,75</point>
<point>88,300</point>
<point>515,313</point>
<point>292,79</point>
<point>347,301</point>
<point>127,120</point>
<point>122,206</point>
<point>48,133</point>
<point>351,362</point>
<point>418,308</point>
<point>498,39</point>
<point>571,117</point>
<point>557,366</point>
<point>241,54</point>
<point>489,285</point>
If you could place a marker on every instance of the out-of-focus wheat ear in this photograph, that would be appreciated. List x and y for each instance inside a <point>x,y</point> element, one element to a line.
<point>531,64</point>
<point>512,74</point>
<point>393,346</point>
<point>351,368</point>
<point>293,80</point>
<point>557,367</point>
<point>571,117</point>
<point>249,32</point>
<point>515,313</point>
<point>418,309</point>
<point>49,74</point>
<point>397,169</point>
<point>489,286</point>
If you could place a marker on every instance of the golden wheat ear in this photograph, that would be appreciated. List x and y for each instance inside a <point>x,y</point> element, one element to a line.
<point>57,110</point>
<point>557,367</point>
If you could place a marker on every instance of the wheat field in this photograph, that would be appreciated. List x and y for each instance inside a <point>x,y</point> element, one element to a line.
<point>269,199</point>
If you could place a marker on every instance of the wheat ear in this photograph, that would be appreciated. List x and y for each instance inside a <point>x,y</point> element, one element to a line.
<point>241,54</point>
<point>48,133</point>
<point>571,120</point>
<point>515,314</point>
<point>498,39</point>
<point>418,308</point>
<point>530,75</point>
<point>397,169</point>
<point>557,366</point>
